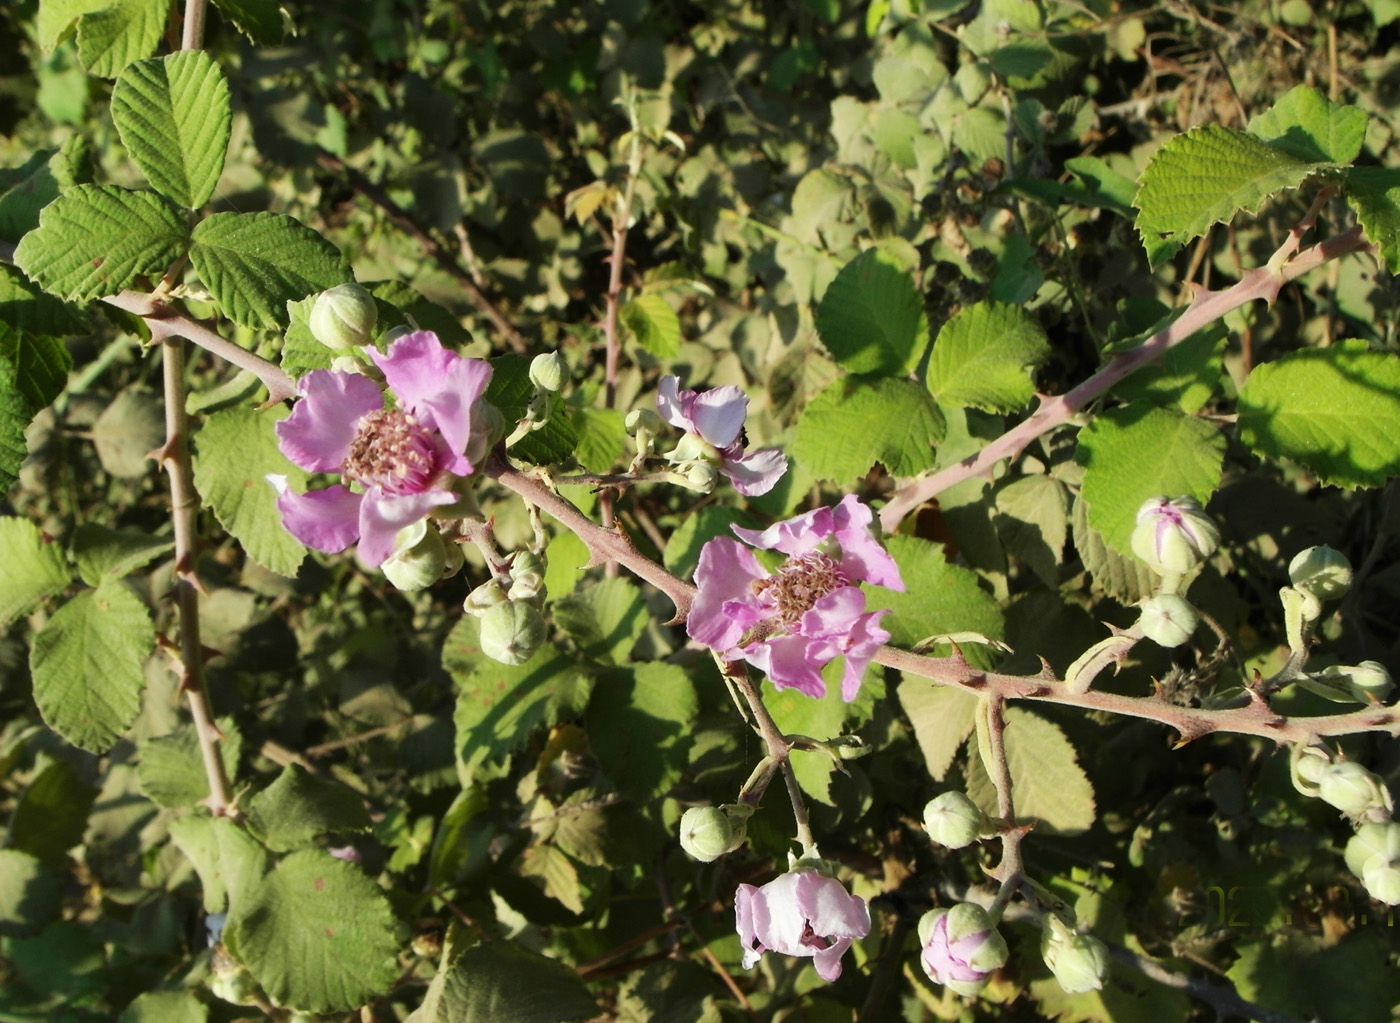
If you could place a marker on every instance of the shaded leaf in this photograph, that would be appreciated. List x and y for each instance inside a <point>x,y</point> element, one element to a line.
<point>1047,784</point>
<point>639,724</point>
<point>298,807</point>
<point>871,319</point>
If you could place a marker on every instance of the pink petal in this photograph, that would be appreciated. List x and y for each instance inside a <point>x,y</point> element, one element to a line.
<point>383,515</point>
<point>671,402</point>
<point>834,614</point>
<point>724,576</point>
<point>787,664</point>
<point>718,414</point>
<point>439,387</point>
<point>756,473</point>
<point>317,435</point>
<point>324,520</point>
<point>748,909</point>
<point>862,556</point>
<point>864,639</point>
<point>795,537</point>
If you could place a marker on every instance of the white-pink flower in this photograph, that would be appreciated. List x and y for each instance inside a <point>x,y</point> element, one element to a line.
<point>717,417</point>
<point>801,913</point>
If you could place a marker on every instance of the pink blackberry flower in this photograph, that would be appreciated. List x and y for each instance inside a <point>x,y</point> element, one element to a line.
<point>801,913</point>
<point>713,421</point>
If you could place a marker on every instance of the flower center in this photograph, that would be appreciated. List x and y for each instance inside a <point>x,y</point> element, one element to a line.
<point>799,583</point>
<point>393,451</point>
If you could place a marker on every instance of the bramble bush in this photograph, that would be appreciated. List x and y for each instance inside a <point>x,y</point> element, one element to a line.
<point>685,512</point>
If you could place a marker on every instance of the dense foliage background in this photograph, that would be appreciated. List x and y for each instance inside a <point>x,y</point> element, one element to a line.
<point>468,161</point>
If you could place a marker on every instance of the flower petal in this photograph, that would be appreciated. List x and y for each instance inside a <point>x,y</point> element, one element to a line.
<point>750,911</point>
<point>439,387</point>
<point>718,414</point>
<point>324,520</point>
<point>756,473</point>
<point>671,402</point>
<point>862,557</point>
<point>787,664</point>
<point>724,577</point>
<point>317,435</point>
<point>383,515</point>
<point>795,537</point>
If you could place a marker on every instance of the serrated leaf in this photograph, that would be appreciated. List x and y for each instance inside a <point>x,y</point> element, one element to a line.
<point>984,356</point>
<point>500,982</point>
<point>942,716</point>
<point>871,319</point>
<point>1205,177</point>
<point>1374,193</point>
<point>1124,577</point>
<point>1047,784</point>
<point>171,772</point>
<point>411,308</point>
<point>111,33</point>
<point>1130,454</point>
<point>174,117</point>
<point>234,449</point>
<point>1305,124</point>
<point>298,807</point>
<point>88,664</point>
<point>939,597</point>
<point>37,367</point>
<point>510,390</point>
<point>1107,188</point>
<point>51,814</point>
<point>259,20</point>
<point>32,313</point>
<point>856,422</point>
<point>556,873</point>
<point>24,192</point>
<point>639,723</point>
<point>94,240</point>
<point>1033,521</point>
<point>31,895</point>
<point>604,619</point>
<point>1335,411</point>
<point>108,554</point>
<point>1186,376</point>
<point>317,934</point>
<point>229,861</point>
<point>653,324</point>
<point>31,568</point>
<point>602,438</point>
<point>255,263</point>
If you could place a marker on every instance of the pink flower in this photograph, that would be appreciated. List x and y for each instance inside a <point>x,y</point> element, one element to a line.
<point>716,417</point>
<point>801,913</point>
<point>961,947</point>
<point>401,457</point>
<point>809,611</point>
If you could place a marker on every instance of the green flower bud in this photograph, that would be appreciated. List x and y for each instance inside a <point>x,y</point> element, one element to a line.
<point>549,372</point>
<point>1367,682</point>
<point>699,476</point>
<point>527,577</point>
<point>1078,961</point>
<point>693,448</point>
<point>485,596</point>
<point>511,632</point>
<point>953,820</point>
<point>419,558</point>
<point>1321,571</point>
<point>1371,841</point>
<point>1306,767</point>
<point>643,420</point>
<point>1174,536</point>
<point>1168,620</point>
<point>708,832</point>
<point>454,559</point>
<point>350,364</point>
<point>1352,789</point>
<point>1381,878</point>
<point>343,317</point>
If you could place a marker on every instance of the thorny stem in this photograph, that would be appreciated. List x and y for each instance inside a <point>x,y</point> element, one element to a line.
<point>779,750</point>
<point>1052,412</point>
<point>1010,871</point>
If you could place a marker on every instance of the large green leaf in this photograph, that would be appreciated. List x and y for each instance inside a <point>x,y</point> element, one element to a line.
<point>317,933</point>
<point>31,312</point>
<point>943,717</point>
<point>255,263</point>
<point>1374,193</point>
<point>1306,124</point>
<point>173,115</point>
<point>1047,784</point>
<point>31,895</point>
<point>229,861</point>
<point>104,554</point>
<point>639,727</point>
<point>1333,410</point>
<point>233,451</point>
<point>857,422</point>
<point>604,619</point>
<point>1205,177</point>
<point>88,664</point>
<point>871,318</point>
<point>984,356</point>
<point>31,568</point>
<point>94,240</point>
<point>298,807</point>
<point>111,33</point>
<point>939,597</point>
<point>1134,452</point>
<point>500,982</point>
<point>171,772</point>
<point>653,324</point>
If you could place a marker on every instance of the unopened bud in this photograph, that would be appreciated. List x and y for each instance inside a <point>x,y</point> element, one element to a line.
<point>643,420</point>
<point>693,448</point>
<point>1367,682</point>
<point>527,577</point>
<point>485,596</point>
<point>231,981</point>
<point>1078,961</point>
<point>418,560</point>
<point>1168,620</point>
<point>961,947</point>
<point>549,372</point>
<point>1322,571</point>
<point>488,430</point>
<point>953,820</point>
<point>1370,841</point>
<point>699,476</point>
<point>511,632</point>
<point>708,832</point>
<point>1174,536</point>
<point>343,316</point>
<point>1352,789</point>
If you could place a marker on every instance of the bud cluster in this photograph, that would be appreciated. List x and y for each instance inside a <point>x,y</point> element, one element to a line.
<point>512,628</point>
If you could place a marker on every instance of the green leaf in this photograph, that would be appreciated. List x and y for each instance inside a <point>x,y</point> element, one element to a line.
<point>34,314</point>
<point>88,664</point>
<point>1374,193</point>
<point>1132,453</point>
<point>1033,521</point>
<point>255,263</point>
<point>1294,975</point>
<point>173,115</point>
<point>31,896</point>
<point>604,619</point>
<point>38,367</point>
<point>1124,577</point>
<point>165,1007</point>
<point>301,352</point>
<point>51,814</point>
<point>1107,188</point>
<point>822,718</point>
<point>939,597</point>
<point>233,451</point>
<point>1335,411</point>
<point>229,861</point>
<point>298,807</point>
<point>602,438</point>
<point>943,717</point>
<point>984,355</point>
<point>500,982</point>
<point>171,772</point>
<point>33,568</point>
<point>1047,784</point>
<point>95,240</point>
<point>639,724</point>
<point>510,390</point>
<point>1205,177</point>
<point>1305,124</point>
<point>259,20</point>
<point>1185,377</point>
<point>15,416</point>
<point>104,554</point>
<point>871,318</point>
<point>317,934</point>
<point>461,843</point>
<point>67,961</point>
<point>696,529</point>
<point>24,192</point>
<point>111,33</point>
<point>857,422</point>
<point>653,324</point>
<point>557,876</point>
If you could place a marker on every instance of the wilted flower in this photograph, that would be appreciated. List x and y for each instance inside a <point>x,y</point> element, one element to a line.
<point>808,611</point>
<point>961,947</point>
<point>715,419</point>
<point>1174,536</point>
<point>801,913</point>
<point>400,456</point>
